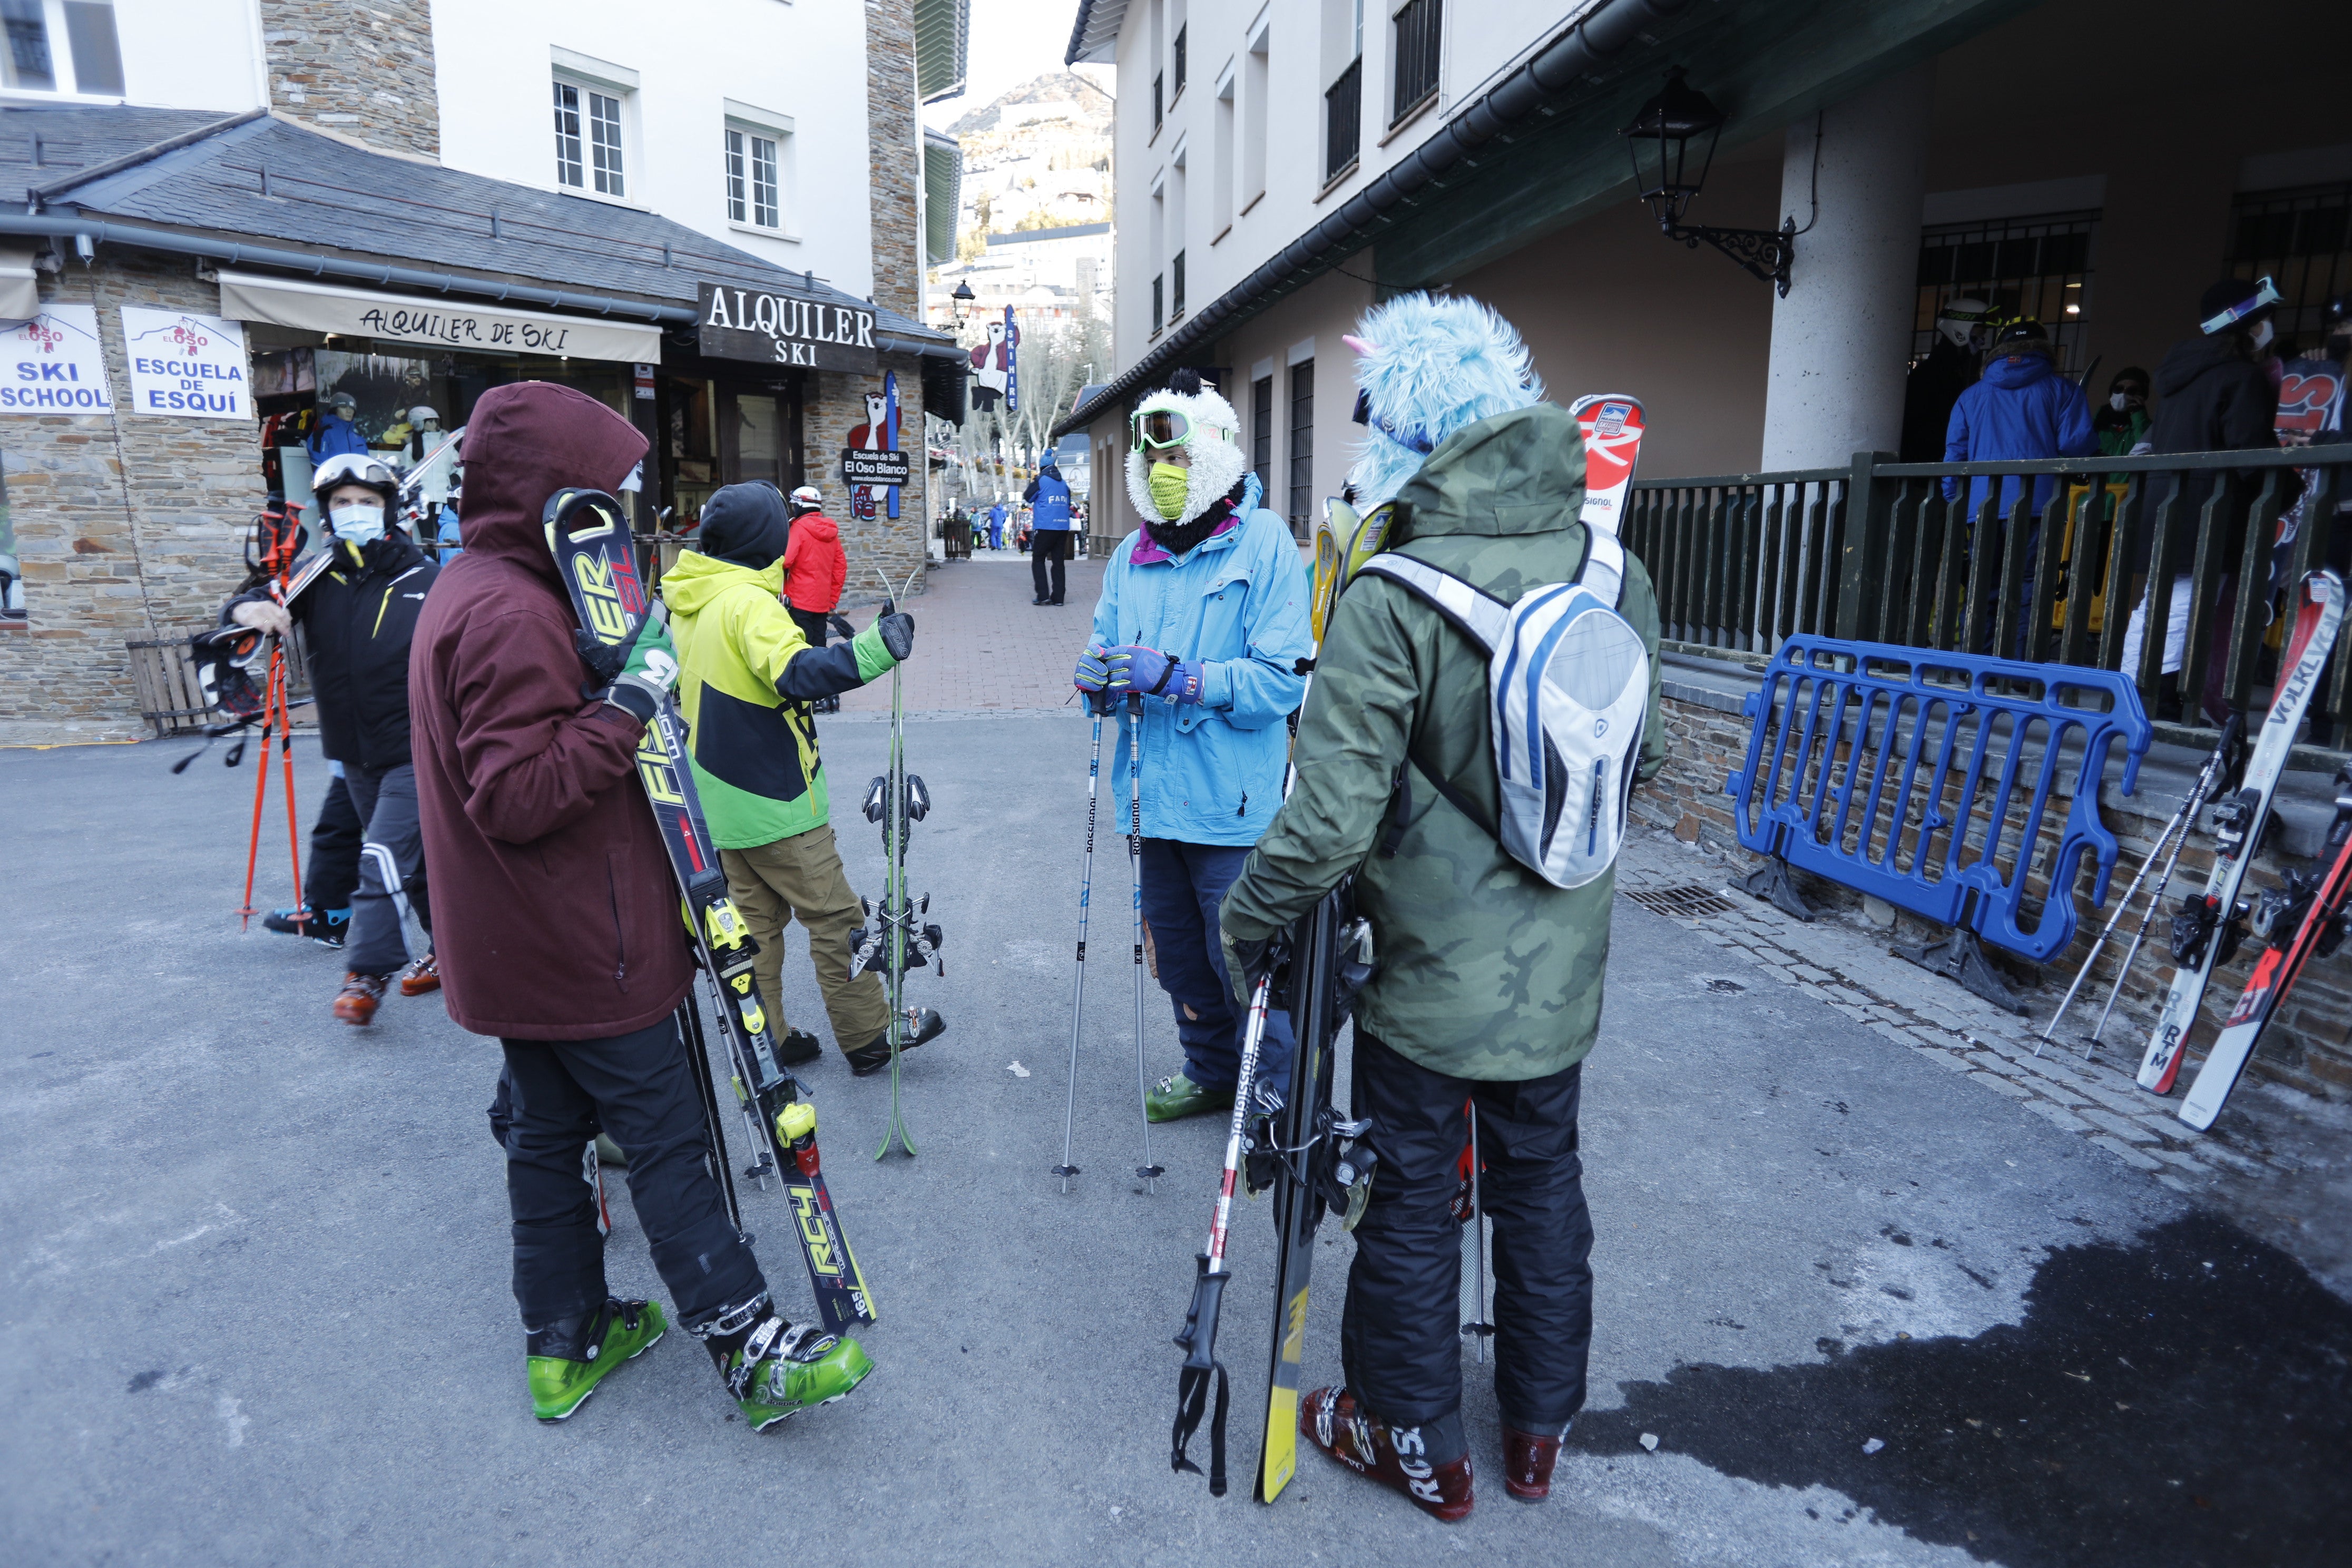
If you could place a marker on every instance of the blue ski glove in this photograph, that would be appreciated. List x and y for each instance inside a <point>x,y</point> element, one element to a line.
<point>1097,673</point>
<point>1151,673</point>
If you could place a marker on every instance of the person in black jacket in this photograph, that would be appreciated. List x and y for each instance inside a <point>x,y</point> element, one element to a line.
<point>359,615</point>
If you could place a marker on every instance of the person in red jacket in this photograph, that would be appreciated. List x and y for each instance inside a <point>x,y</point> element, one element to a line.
<point>815,570</point>
<point>561,934</point>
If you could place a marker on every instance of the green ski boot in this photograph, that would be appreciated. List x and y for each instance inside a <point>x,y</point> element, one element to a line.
<point>781,1371</point>
<point>571,1356</point>
<point>1175,1096</point>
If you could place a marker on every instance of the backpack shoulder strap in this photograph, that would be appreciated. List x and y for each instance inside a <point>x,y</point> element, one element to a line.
<point>1603,570</point>
<point>1484,619</point>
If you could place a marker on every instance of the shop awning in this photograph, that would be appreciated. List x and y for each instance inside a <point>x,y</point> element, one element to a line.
<point>20,297</point>
<point>443,323</point>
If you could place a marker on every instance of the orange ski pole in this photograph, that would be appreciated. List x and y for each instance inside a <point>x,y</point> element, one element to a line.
<point>260,787</point>
<point>286,756</point>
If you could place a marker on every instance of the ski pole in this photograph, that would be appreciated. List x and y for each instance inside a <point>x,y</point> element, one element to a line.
<point>1198,1337</point>
<point>1067,1168</point>
<point>1477,1328</point>
<point>1150,1172</point>
<point>2180,821</point>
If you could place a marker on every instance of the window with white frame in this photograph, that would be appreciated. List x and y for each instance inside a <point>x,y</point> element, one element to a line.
<point>756,147</point>
<point>60,45</point>
<point>588,139</point>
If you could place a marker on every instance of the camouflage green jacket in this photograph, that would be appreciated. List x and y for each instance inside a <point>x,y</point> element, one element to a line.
<point>1485,970</point>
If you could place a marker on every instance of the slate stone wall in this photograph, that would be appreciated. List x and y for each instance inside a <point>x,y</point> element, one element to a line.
<point>364,69</point>
<point>894,146</point>
<point>835,403</point>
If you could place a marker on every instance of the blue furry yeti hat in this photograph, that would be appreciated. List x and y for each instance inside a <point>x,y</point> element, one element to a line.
<point>1425,368</point>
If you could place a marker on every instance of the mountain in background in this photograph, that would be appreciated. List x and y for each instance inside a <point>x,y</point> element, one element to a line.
<point>1037,156</point>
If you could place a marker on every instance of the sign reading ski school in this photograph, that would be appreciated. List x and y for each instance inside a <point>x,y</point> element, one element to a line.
<point>187,367</point>
<point>785,329</point>
<point>55,365</point>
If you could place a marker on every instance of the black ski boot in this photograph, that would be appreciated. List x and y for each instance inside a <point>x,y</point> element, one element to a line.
<point>924,1024</point>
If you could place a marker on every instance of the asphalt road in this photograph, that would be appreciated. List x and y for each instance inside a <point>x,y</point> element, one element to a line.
<point>257,1307</point>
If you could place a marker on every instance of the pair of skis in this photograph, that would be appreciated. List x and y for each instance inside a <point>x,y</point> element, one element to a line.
<point>595,556</point>
<point>1098,706</point>
<point>2207,931</point>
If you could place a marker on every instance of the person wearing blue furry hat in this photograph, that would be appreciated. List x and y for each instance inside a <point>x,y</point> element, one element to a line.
<point>1489,979</point>
<point>1203,617</point>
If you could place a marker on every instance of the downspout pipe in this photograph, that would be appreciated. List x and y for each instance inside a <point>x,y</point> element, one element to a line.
<point>1588,47</point>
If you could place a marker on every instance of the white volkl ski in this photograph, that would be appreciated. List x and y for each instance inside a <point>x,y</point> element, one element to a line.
<point>2207,923</point>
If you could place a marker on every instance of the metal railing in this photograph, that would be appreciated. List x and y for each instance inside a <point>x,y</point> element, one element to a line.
<point>1874,552</point>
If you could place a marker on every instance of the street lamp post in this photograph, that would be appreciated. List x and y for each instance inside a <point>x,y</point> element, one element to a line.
<point>1678,116</point>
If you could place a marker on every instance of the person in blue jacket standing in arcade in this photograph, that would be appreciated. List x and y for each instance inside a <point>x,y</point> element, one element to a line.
<point>1049,530</point>
<point>1204,615</point>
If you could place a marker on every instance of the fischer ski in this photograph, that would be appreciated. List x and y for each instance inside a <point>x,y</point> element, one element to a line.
<point>1612,426</point>
<point>595,556</point>
<point>2206,932</point>
<point>2313,901</point>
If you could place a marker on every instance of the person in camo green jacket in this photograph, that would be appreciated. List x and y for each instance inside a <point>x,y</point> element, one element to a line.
<point>747,676</point>
<point>1489,979</point>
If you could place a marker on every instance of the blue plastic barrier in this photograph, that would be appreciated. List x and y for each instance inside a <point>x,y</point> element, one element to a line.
<point>1870,764</point>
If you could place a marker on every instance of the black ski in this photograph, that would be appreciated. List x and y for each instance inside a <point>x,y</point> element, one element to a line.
<point>596,558</point>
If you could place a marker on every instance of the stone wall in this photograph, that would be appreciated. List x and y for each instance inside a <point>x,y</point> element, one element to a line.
<point>2308,1045</point>
<point>894,148</point>
<point>127,526</point>
<point>833,403</point>
<point>363,69</point>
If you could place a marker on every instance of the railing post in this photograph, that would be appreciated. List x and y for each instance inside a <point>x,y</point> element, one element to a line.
<point>1862,547</point>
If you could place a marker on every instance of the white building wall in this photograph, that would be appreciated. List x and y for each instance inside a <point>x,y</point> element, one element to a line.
<point>689,57</point>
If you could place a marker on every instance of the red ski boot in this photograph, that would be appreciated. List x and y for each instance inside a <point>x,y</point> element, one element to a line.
<point>422,978</point>
<point>1527,1461</point>
<point>1332,1420</point>
<point>361,995</point>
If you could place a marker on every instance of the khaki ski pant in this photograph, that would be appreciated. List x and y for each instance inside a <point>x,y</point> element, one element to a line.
<point>801,879</point>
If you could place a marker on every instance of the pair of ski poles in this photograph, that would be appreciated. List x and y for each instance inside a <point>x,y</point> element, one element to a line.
<point>2209,779</point>
<point>1098,704</point>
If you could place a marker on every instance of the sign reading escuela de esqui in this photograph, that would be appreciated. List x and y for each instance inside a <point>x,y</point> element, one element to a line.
<point>185,366</point>
<point>865,465</point>
<point>54,365</point>
<point>784,328</point>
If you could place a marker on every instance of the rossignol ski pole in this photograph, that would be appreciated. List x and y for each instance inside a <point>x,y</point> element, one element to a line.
<point>1148,1169</point>
<point>1096,703</point>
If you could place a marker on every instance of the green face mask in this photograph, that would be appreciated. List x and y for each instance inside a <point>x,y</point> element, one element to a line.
<point>1171,487</point>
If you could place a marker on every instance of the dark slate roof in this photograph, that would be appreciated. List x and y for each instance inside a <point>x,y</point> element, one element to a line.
<point>79,137</point>
<point>327,194</point>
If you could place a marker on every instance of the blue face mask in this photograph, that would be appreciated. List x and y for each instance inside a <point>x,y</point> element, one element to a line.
<point>359,524</point>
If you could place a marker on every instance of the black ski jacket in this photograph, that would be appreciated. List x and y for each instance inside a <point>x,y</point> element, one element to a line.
<point>357,620</point>
<point>2213,399</point>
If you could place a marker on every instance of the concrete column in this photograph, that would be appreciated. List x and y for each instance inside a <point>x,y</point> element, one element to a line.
<point>1841,339</point>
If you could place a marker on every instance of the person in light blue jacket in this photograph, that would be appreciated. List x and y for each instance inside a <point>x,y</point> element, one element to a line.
<point>1203,618</point>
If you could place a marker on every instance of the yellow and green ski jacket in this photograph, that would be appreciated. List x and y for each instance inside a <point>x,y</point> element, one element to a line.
<point>746,676</point>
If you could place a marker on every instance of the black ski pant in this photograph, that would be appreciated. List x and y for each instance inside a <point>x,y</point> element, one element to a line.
<point>641,1089</point>
<point>391,868</point>
<point>1400,1336</point>
<point>1048,544</point>
<point>335,839</point>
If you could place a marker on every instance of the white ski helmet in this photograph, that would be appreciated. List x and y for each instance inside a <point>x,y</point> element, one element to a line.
<point>1965,322</point>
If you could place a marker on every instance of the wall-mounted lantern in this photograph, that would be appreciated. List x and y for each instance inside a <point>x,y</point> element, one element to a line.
<point>1660,143</point>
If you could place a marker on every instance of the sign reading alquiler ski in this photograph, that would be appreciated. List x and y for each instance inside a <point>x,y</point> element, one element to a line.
<point>785,329</point>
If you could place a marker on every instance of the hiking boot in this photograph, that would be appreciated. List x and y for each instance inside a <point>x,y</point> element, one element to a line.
<point>1527,1461</point>
<point>356,1003</point>
<point>421,977</point>
<point>571,1356</point>
<point>325,927</point>
<point>780,1370</point>
<point>1393,1456</point>
<point>873,1057</point>
<point>1175,1096</point>
<point>799,1045</point>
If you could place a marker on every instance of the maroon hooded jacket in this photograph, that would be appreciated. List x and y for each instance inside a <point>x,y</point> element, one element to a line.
<point>555,914</point>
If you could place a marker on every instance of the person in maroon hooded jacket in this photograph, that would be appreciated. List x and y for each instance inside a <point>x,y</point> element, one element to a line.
<point>561,933</point>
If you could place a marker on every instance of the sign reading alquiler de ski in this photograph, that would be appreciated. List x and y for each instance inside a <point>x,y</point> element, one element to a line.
<point>784,328</point>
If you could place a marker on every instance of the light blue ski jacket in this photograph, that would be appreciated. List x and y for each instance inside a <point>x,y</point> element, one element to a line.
<point>1237,602</point>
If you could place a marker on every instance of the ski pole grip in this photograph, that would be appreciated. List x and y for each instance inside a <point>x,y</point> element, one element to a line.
<point>1198,1338</point>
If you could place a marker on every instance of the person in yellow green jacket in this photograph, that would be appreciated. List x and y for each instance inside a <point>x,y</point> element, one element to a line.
<point>746,678</point>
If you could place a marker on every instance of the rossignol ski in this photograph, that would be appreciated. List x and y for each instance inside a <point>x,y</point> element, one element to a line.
<point>2313,903</point>
<point>2206,932</point>
<point>595,556</point>
<point>1612,426</point>
<point>893,943</point>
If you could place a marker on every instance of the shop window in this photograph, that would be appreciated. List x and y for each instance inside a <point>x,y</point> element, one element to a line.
<point>2037,267</point>
<point>754,184</point>
<point>1419,28</point>
<point>33,29</point>
<point>588,139</point>
<point>1302,447</point>
<point>2300,240</point>
<point>760,438</point>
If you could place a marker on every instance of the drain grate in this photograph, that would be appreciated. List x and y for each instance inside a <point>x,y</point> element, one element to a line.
<point>1687,903</point>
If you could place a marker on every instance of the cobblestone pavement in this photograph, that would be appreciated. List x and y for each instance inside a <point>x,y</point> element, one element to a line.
<point>980,644</point>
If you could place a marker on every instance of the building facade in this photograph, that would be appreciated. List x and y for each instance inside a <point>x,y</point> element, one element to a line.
<point>343,237</point>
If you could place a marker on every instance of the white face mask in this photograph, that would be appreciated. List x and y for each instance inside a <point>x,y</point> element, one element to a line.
<point>2263,334</point>
<point>2119,403</point>
<point>360,524</point>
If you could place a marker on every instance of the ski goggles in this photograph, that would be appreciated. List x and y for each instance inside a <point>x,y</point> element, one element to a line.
<point>1411,439</point>
<point>2265,295</point>
<point>354,468</point>
<point>1157,430</point>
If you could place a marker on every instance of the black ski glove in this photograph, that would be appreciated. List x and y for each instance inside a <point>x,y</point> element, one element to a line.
<point>1247,960</point>
<point>897,629</point>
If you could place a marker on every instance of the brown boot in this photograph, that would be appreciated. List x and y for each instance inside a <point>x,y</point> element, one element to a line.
<point>1332,1420</point>
<point>1527,1464</point>
<point>361,995</point>
<point>423,977</point>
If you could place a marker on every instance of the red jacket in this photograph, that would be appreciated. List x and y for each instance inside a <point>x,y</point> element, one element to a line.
<point>555,911</point>
<point>815,567</point>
